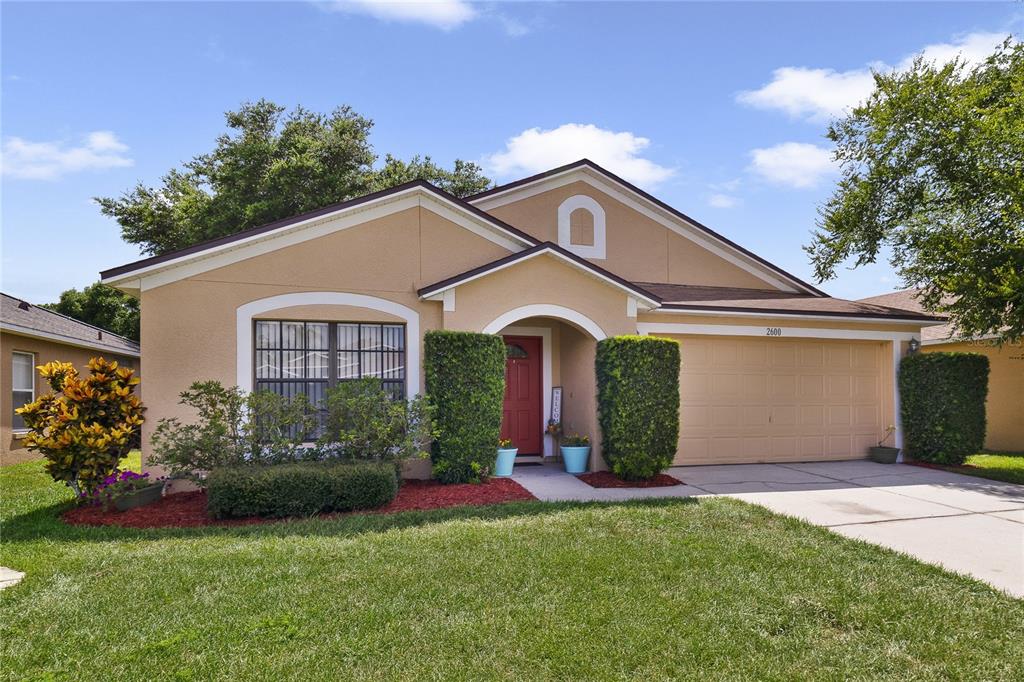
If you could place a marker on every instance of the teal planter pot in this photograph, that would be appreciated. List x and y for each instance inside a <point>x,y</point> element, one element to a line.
<point>506,460</point>
<point>575,458</point>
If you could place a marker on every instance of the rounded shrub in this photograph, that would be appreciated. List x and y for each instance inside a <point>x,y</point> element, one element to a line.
<point>465,381</point>
<point>942,404</point>
<point>299,489</point>
<point>638,404</point>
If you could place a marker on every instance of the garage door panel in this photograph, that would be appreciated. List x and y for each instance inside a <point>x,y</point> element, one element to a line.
<point>761,400</point>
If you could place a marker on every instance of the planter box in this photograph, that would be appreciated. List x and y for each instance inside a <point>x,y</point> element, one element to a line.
<point>575,458</point>
<point>140,497</point>
<point>883,454</point>
<point>506,460</point>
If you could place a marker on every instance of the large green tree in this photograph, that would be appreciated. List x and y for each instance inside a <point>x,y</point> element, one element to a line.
<point>102,306</point>
<point>270,165</point>
<point>933,168</point>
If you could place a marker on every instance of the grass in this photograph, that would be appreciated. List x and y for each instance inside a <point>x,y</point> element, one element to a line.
<point>712,589</point>
<point>999,466</point>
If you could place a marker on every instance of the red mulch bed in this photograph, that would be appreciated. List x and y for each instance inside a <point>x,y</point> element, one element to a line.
<point>188,510</point>
<point>606,479</point>
<point>941,467</point>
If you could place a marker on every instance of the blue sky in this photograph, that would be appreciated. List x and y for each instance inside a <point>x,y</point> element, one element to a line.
<point>719,109</point>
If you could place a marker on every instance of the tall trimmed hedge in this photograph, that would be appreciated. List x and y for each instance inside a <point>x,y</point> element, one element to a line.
<point>942,403</point>
<point>465,375</point>
<point>638,404</point>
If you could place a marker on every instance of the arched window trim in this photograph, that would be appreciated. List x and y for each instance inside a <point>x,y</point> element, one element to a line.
<point>578,201</point>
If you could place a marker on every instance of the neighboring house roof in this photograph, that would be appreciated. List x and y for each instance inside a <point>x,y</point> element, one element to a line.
<point>633,189</point>
<point>907,299</point>
<point>685,297</point>
<point>234,240</point>
<point>540,249</point>
<point>24,319</point>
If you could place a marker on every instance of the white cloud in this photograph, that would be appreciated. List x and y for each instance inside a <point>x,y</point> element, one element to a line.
<point>99,150</point>
<point>536,150</point>
<point>443,14</point>
<point>793,164</point>
<point>722,201</point>
<point>820,94</point>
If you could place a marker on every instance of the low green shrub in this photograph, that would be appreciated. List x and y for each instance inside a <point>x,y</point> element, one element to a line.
<point>299,489</point>
<point>361,422</point>
<point>638,404</point>
<point>465,379</point>
<point>942,404</point>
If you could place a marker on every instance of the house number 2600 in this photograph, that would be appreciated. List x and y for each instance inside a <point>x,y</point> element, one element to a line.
<point>774,331</point>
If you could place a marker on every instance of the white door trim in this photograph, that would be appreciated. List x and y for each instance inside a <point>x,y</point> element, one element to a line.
<point>546,379</point>
<point>545,310</point>
<point>245,313</point>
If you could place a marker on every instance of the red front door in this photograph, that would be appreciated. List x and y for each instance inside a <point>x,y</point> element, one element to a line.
<point>521,422</point>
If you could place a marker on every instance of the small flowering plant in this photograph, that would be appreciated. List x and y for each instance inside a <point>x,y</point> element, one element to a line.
<point>575,441</point>
<point>505,444</point>
<point>117,485</point>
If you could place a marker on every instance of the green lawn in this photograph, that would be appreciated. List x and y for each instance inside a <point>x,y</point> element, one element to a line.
<point>1000,466</point>
<point>672,589</point>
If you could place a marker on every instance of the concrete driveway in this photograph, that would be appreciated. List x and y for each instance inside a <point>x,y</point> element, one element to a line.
<point>965,524</point>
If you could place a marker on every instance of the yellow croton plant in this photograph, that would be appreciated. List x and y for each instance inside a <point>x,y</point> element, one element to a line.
<point>87,424</point>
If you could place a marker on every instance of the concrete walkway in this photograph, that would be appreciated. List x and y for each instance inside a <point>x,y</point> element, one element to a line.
<point>9,577</point>
<point>965,524</point>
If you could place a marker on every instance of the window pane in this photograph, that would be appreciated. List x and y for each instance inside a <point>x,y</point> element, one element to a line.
<point>293,364</point>
<point>371,336</point>
<point>348,365</point>
<point>268,334</point>
<point>348,337</point>
<point>394,337</point>
<point>293,334</point>
<point>394,367</point>
<point>316,336</point>
<point>20,399</point>
<point>268,364</point>
<point>371,364</point>
<point>316,365</point>
<point>23,373</point>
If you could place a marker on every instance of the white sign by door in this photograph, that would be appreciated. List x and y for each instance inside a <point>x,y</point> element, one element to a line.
<point>556,404</point>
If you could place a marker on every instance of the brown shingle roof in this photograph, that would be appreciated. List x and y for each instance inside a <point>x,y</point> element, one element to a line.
<point>20,317</point>
<point>907,300</point>
<point>691,297</point>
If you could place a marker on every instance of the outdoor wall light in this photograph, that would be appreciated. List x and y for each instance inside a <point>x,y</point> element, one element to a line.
<point>914,346</point>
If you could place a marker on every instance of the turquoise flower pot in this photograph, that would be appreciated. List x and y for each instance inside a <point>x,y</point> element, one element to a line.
<point>575,458</point>
<point>506,460</point>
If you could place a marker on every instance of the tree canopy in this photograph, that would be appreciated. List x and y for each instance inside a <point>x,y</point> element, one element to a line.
<point>270,165</point>
<point>933,168</point>
<point>101,306</point>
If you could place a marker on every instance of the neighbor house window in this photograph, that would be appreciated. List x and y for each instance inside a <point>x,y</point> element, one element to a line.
<point>23,382</point>
<point>309,357</point>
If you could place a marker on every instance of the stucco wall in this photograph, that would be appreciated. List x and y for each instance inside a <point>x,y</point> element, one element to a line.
<point>1004,408</point>
<point>638,248</point>
<point>45,351</point>
<point>189,326</point>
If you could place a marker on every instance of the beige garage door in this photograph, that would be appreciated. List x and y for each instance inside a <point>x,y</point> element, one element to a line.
<point>747,399</point>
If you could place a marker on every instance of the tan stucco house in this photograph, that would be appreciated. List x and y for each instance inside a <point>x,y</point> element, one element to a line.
<point>773,369</point>
<point>1004,408</point>
<point>31,336</point>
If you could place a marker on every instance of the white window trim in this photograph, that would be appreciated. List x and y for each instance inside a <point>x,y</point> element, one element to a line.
<point>545,310</point>
<point>32,366</point>
<point>546,380</point>
<point>244,329</point>
<point>582,201</point>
